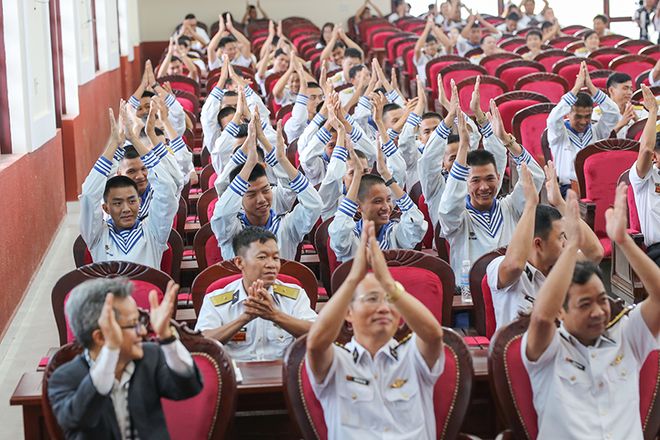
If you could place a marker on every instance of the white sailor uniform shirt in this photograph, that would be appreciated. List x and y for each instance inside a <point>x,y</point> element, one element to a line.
<point>647,199</point>
<point>387,397</point>
<point>565,142</point>
<point>472,233</point>
<point>431,176</point>
<point>640,112</point>
<point>423,60</point>
<point>260,339</point>
<point>339,79</point>
<point>213,105</point>
<point>147,240</point>
<point>591,393</point>
<point>518,297</point>
<point>290,227</point>
<point>344,232</point>
<point>288,97</point>
<point>175,114</point>
<point>296,124</point>
<point>362,114</point>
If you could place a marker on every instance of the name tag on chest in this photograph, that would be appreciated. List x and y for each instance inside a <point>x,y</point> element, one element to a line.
<point>241,335</point>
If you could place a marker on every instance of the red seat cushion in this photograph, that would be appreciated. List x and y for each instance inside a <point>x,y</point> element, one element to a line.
<point>332,259</point>
<point>550,61</point>
<point>457,76</point>
<point>601,172</point>
<point>492,65</point>
<point>193,419</point>
<point>551,90</point>
<point>212,179</point>
<point>378,41</point>
<point>634,69</point>
<point>222,282</point>
<point>607,246</point>
<point>187,104</point>
<point>213,253</point>
<point>570,73</point>
<point>427,242</point>
<point>531,130</point>
<point>140,294</point>
<point>423,285</point>
<point>183,86</point>
<point>510,76</point>
<point>509,109</point>
<point>520,386</point>
<point>489,309</point>
<point>486,91</point>
<point>167,260</point>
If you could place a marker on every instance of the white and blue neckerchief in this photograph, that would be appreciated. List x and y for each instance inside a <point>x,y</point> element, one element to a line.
<point>125,239</point>
<point>273,224</point>
<point>145,202</point>
<point>581,140</point>
<point>383,236</point>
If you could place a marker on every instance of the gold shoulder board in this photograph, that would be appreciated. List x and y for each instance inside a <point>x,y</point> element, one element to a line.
<point>404,340</point>
<point>222,298</point>
<point>623,313</point>
<point>289,292</point>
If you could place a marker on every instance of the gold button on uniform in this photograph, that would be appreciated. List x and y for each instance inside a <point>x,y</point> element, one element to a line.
<point>623,373</point>
<point>387,428</point>
<point>600,384</point>
<point>281,336</point>
<point>405,395</point>
<point>593,355</point>
<point>354,396</point>
<point>572,377</point>
<point>259,339</point>
<point>604,413</point>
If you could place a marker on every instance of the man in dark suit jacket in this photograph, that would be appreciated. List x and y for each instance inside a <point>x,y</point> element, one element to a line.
<point>113,389</point>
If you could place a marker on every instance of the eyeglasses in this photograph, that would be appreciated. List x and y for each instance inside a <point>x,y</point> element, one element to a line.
<point>138,327</point>
<point>372,299</point>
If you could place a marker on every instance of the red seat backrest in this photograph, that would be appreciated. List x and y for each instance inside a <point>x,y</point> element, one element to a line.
<point>332,259</point>
<point>486,91</point>
<point>140,294</point>
<point>492,65</point>
<point>193,419</point>
<point>552,90</point>
<point>633,215</point>
<point>401,47</point>
<point>370,30</point>
<point>648,385</point>
<point>433,70</point>
<point>286,118</point>
<point>378,41</point>
<point>510,76</point>
<point>211,208</point>
<point>634,49</point>
<point>457,76</point>
<point>508,110</point>
<point>550,61</point>
<point>601,173</point>
<point>213,252</point>
<point>531,130</point>
<point>520,386</point>
<point>412,70</point>
<point>611,43</point>
<point>491,323</point>
<point>183,86</point>
<point>605,58</point>
<point>165,262</point>
<point>633,69</point>
<point>212,180</point>
<point>423,285</point>
<point>570,73</point>
<point>187,105</point>
<point>427,242</point>
<point>601,83</point>
<point>512,46</point>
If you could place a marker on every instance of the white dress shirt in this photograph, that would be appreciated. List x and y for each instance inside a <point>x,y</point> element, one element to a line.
<point>259,340</point>
<point>647,199</point>
<point>388,397</point>
<point>591,393</point>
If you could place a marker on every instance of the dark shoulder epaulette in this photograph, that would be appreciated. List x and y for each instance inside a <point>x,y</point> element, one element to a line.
<point>403,341</point>
<point>342,346</point>
<point>618,317</point>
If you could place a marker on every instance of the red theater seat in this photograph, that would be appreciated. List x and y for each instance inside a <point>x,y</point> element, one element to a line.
<point>550,85</point>
<point>490,88</point>
<point>605,55</point>
<point>568,68</point>
<point>512,102</point>
<point>633,65</point>
<point>457,72</point>
<point>510,71</point>
<point>528,125</point>
<point>492,62</point>
<point>484,312</point>
<point>633,46</point>
<point>549,57</point>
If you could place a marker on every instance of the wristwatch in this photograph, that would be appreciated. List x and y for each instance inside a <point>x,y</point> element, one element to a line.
<point>511,141</point>
<point>482,121</point>
<point>398,291</point>
<point>389,182</point>
<point>166,341</point>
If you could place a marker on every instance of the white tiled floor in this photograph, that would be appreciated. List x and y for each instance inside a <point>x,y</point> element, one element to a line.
<point>33,330</point>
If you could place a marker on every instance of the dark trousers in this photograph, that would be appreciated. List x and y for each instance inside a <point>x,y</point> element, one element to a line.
<point>653,252</point>
<point>563,189</point>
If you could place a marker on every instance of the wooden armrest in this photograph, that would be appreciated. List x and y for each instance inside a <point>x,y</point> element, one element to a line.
<point>588,212</point>
<point>507,434</point>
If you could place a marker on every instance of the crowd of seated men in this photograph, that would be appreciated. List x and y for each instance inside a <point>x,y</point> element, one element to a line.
<point>362,147</point>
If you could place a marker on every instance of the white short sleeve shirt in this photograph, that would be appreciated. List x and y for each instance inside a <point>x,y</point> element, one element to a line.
<point>591,393</point>
<point>647,199</point>
<point>387,397</point>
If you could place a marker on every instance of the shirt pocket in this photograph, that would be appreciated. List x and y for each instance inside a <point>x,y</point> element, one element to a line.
<point>621,377</point>
<point>278,340</point>
<point>574,385</point>
<point>356,403</point>
<point>404,404</point>
<point>242,341</point>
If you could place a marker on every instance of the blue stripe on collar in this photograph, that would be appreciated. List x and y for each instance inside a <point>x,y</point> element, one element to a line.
<point>126,239</point>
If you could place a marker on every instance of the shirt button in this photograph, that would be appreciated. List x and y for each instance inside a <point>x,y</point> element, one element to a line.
<point>600,384</point>
<point>236,343</point>
<point>354,396</point>
<point>281,336</point>
<point>376,377</point>
<point>604,413</point>
<point>572,377</point>
<point>623,373</point>
<point>593,355</point>
<point>259,339</point>
<point>405,395</point>
<point>387,428</point>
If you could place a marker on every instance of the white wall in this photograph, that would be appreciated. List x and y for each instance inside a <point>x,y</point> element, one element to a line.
<point>158,18</point>
<point>30,78</point>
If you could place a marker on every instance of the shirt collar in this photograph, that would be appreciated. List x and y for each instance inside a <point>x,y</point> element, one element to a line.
<point>357,350</point>
<point>144,195</point>
<point>245,220</point>
<point>492,209</point>
<point>605,340</point>
<point>381,235</point>
<point>531,272</point>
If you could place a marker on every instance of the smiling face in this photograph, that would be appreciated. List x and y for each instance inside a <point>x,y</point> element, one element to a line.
<point>368,318</point>
<point>592,43</point>
<point>580,118</point>
<point>599,26</point>
<point>588,311</point>
<point>431,47</point>
<point>483,182</point>
<point>533,42</point>
<point>257,201</point>
<point>136,171</point>
<point>294,83</point>
<point>511,25</point>
<point>230,50</point>
<point>175,68</point>
<point>551,249</point>
<point>489,45</point>
<point>377,205</point>
<point>621,93</point>
<point>281,63</point>
<point>261,261</point>
<point>315,98</point>
<point>122,205</point>
<point>127,314</point>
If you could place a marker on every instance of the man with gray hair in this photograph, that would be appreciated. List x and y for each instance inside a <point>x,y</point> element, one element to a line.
<point>113,389</point>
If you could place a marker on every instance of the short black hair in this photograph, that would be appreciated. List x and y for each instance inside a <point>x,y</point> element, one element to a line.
<point>355,70</point>
<point>226,40</point>
<point>584,100</point>
<point>361,154</point>
<point>453,138</point>
<point>617,78</point>
<point>546,215</point>
<point>602,17</point>
<point>390,107</point>
<point>185,40</point>
<point>242,241</point>
<point>381,89</point>
<point>147,94</point>
<point>367,182</point>
<point>475,25</point>
<point>430,38</point>
<point>534,32</point>
<point>484,38</point>
<point>130,152</point>
<point>583,272</point>
<point>173,59</point>
<point>513,16</point>
<point>279,52</point>
<point>242,131</point>
<point>431,115</point>
<point>313,85</point>
<point>398,3</point>
<point>158,131</point>
<point>190,16</point>
<point>118,182</point>
<point>223,113</point>
<point>546,24</point>
<point>338,45</point>
<point>479,158</point>
<point>588,34</point>
<point>353,53</point>
<point>257,172</point>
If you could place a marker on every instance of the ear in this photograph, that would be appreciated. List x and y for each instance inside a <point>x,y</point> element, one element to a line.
<point>105,208</point>
<point>349,314</point>
<point>359,208</point>
<point>239,262</point>
<point>538,244</point>
<point>97,337</point>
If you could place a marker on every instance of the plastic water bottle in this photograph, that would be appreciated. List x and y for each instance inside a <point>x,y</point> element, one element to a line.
<point>466,296</point>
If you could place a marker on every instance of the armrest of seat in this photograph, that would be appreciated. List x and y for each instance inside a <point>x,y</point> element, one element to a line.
<point>507,434</point>
<point>588,212</point>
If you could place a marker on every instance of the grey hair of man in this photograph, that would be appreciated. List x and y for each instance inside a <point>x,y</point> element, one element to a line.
<point>85,303</point>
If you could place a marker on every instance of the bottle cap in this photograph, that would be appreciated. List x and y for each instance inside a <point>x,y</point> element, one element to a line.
<point>466,262</point>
